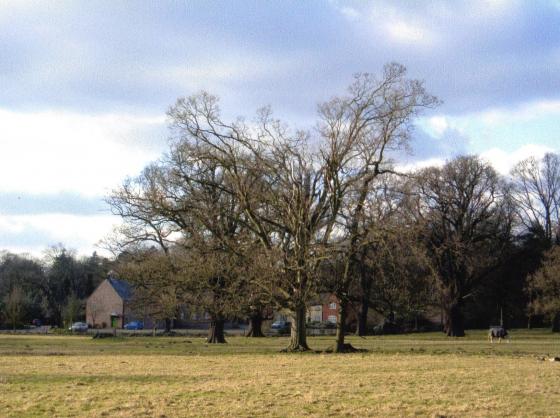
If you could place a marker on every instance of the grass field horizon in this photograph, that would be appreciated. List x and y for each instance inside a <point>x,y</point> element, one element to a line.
<point>403,375</point>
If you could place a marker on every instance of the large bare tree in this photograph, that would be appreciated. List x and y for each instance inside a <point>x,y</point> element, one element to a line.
<point>300,197</point>
<point>467,212</point>
<point>280,187</point>
<point>183,206</point>
<point>360,131</point>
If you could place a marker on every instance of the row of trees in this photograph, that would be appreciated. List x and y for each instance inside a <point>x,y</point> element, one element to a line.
<point>243,215</point>
<point>51,290</point>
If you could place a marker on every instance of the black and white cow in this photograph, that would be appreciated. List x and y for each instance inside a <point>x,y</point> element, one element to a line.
<point>498,332</point>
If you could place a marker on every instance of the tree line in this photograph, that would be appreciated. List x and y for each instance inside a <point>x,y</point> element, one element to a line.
<point>242,215</point>
<point>51,290</point>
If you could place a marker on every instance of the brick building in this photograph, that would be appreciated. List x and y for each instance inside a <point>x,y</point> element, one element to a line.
<point>324,310</point>
<point>109,305</point>
<point>330,309</point>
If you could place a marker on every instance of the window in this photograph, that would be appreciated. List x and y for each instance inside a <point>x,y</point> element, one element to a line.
<point>332,305</point>
<point>332,319</point>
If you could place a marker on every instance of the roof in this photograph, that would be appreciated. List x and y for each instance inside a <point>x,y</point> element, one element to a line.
<point>123,289</point>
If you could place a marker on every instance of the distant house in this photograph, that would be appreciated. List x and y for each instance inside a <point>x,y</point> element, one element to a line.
<point>325,309</point>
<point>112,305</point>
<point>331,307</point>
<point>109,305</point>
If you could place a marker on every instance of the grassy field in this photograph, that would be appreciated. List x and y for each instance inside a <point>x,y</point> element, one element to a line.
<point>417,374</point>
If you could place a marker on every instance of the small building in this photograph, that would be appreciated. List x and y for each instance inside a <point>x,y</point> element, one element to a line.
<point>109,305</point>
<point>330,309</point>
<point>112,305</point>
<point>324,309</point>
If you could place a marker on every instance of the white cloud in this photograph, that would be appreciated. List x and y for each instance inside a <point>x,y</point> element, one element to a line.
<point>503,161</point>
<point>392,22</point>
<point>493,8</point>
<point>350,13</point>
<point>500,128</point>
<point>426,24</point>
<point>241,66</point>
<point>34,233</point>
<point>437,125</point>
<point>523,113</point>
<point>11,8</point>
<point>406,32</point>
<point>418,165</point>
<point>52,152</point>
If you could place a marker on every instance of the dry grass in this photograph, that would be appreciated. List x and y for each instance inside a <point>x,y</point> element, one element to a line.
<point>158,377</point>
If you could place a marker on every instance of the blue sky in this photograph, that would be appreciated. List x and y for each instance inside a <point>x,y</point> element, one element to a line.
<point>84,86</point>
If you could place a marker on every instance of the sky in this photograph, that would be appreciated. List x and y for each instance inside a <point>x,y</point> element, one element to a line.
<point>85,86</point>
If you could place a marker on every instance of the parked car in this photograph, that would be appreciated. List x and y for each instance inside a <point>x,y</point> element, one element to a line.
<point>278,324</point>
<point>280,327</point>
<point>134,325</point>
<point>78,327</point>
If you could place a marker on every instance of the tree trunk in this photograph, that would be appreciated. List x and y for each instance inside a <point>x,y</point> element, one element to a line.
<point>167,325</point>
<point>361,329</point>
<point>454,325</point>
<point>56,319</point>
<point>341,346</point>
<point>255,325</point>
<point>442,318</point>
<point>298,335</point>
<point>556,322</point>
<point>366,279</point>
<point>216,332</point>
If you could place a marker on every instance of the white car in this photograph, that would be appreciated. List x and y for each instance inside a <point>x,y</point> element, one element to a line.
<point>79,327</point>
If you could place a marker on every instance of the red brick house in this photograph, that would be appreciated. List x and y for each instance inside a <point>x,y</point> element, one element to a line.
<point>330,309</point>
<point>324,311</point>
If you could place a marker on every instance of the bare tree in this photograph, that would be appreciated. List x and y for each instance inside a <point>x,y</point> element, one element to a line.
<point>388,215</point>
<point>360,130</point>
<point>280,188</point>
<point>537,195</point>
<point>157,287</point>
<point>94,309</point>
<point>180,205</point>
<point>402,279</point>
<point>223,184</point>
<point>467,212</point>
